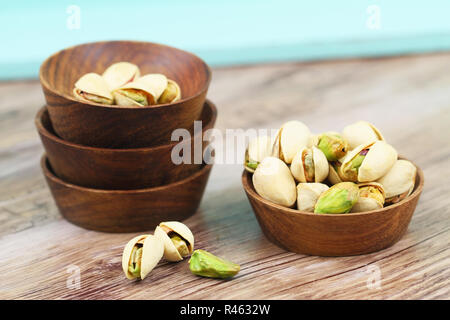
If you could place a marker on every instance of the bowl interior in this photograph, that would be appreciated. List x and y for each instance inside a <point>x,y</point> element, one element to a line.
<point>248,186</point>
<point>44,125</point>
<point>60,71</point>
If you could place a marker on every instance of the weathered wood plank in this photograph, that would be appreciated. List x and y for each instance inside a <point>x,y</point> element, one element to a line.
<point>406,97</point>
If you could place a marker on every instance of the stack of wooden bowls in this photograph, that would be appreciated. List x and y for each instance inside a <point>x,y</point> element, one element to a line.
<point>109,168</point>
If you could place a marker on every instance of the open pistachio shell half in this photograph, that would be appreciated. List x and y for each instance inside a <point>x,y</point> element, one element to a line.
<point>307,195</point>
<point>333,172</point>
<point>140,255</point>
<point>332,145</point>
<point>371,197</point>
<point>399,182</point>
<point>92,87</point>
<point>258,149</point>
<point>368,162</point>
<point>157,82</point>
<point>274,182</point>
<point>361,132</point>
<point>177,238</point>
<point>171,94</point>
<point>292,136</point>
<point>120,73</point>
<point>309,165</point>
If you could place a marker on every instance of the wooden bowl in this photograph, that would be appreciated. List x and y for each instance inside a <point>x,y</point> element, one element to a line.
<point>333,234</point>
<point>126,210</point>
<point>98,125</point>
<point>119,168</point>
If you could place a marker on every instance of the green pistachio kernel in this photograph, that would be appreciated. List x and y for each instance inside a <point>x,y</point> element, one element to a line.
<point>205,264</point>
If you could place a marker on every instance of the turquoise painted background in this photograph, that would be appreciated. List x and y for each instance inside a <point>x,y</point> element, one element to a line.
<point>226,32</point>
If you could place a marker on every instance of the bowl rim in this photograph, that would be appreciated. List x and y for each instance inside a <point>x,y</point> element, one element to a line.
<point>42,130</point>
<point>203,89</point>
<point>50,175</point>
<point>247,183</point>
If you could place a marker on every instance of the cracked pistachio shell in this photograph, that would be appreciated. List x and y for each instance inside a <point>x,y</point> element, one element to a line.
<point>274,182</point>
<point>319,165</point>
<point>170,251</point>
<point>139,86</point>
<point>171,94</point>
<point>92,87</point>
<point>371,197</point>
<point>332,145</point>
<point>361,132</point>
<point>292,136</point>
<point>152,252</point>
<point>157,82</point>
<point>258,149</point>
<point>340,198</point>
<point>307,195</point>
<point>120,73</point>
<point>399,182</point>
<point>376,163</point>
<point>333,172</point>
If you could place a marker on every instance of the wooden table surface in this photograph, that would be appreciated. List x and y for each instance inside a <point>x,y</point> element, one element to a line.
<point>408,98</point>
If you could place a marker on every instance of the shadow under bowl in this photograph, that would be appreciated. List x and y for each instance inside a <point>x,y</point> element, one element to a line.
<point>114,126</point>
<point>120,169</point>
<point>333,234</point>
<point>126,210</point>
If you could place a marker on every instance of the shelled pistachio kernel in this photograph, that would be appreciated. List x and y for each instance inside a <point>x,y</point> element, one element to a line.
<point>205,264</point>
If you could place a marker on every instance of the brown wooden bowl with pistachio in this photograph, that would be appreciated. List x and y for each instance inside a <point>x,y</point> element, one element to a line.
<point>99,123</point>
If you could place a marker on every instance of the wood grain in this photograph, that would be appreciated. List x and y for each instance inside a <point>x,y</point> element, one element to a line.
<point>406,97</point>
<point>122,169</point>
<point>98,125</point>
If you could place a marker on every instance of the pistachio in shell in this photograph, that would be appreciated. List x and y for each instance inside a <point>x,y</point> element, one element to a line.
<point>274,182</point>
<point>339,198</point>
<point>292,136</point>
<point>120,73</point>
<point>332,145</point>
<point>309,165</point>
<point>140,255</point>
<point>399,182</point>
<point>258,149</point>
<point>361,132</point>
<point>371,197</point>
<point>171,94</point>
<point>205,264</point>
<point>177,238</point>
<point>308,194</point>
<point>333,172</point>
<point>93,88</point>
<point>368,162</point>
<point>142,92</point>
<point>157,82</point>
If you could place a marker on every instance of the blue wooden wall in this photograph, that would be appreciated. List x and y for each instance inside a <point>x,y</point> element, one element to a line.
<point>224,32</point>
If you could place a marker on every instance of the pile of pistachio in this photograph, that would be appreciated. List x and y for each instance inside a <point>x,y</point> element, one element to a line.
<point>354,171</point>
<point>174,241</point>
<point>121,84</point>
